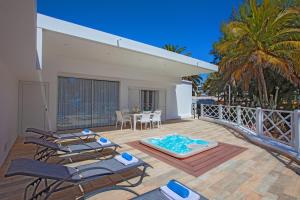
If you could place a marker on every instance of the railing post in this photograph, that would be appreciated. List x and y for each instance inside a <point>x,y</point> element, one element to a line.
<point>259,121</point>
<point>296,129</point>
<point>202,110</point>
<point>238,113</point>
<point>194,110</point>
<point>220,111</point>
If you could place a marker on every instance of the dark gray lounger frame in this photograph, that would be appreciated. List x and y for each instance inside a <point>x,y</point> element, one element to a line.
<point>157,194</point>
<point>58,136</point>
<point>47,149</point>
<point>52,178</point>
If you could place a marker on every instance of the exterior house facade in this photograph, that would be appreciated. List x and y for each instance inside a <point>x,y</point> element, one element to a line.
<point>68,76</point>
<point>87,75</point>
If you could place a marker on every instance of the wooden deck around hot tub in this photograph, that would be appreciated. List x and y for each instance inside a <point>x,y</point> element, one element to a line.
<point>197,164</point>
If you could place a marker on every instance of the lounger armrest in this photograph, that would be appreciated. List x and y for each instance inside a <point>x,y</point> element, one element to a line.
<point>78,172</point>
<point>94,168</point>
<point>41,132</point>
<point>42,143</point>
<point>110,172</point>
<point>148,165</point>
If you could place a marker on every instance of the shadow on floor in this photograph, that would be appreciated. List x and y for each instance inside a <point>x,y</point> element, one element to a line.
<point>288,162</point>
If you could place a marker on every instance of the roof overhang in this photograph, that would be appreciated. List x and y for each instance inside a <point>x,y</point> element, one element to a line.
<point>74,41</point>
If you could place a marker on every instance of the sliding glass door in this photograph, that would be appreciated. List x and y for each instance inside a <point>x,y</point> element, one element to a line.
<point>86,103</point>
<point>105,102</point>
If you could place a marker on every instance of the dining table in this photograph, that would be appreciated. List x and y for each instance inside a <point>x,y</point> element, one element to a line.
<point>135,117</point>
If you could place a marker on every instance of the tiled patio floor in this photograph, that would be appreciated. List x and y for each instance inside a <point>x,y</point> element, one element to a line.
<point>253,174</point>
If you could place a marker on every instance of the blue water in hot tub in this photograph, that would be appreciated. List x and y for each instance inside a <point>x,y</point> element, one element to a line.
<point>177,143</point>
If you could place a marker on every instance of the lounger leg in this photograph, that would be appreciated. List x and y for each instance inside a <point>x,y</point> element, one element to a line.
<point>36,182</point>
<point>140,179</point>
<point>119,187</point>
<point>81,188</point>
<point>115,187</point>
<point>53,187</point>
<point>47,190</point>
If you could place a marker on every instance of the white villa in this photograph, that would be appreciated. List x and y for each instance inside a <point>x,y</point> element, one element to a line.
<point>60,75</point>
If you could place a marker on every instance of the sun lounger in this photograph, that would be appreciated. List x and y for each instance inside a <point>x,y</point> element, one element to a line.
<point>160,194</point>
<point>47,149</point>
<point>51,178</point>
<point>63,136</point>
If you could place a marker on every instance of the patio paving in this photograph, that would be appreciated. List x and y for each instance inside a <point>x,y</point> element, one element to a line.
<point>253,174</point>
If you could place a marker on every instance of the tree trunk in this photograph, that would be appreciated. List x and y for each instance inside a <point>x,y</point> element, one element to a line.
<point>263,84</point>
<point>259,88</point>
<point>260,95</point>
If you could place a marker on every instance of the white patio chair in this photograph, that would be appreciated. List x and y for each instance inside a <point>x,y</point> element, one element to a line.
<point>145,119</point>
<point>156,118</point>
<point>125,112</point>
<point>123,119</point>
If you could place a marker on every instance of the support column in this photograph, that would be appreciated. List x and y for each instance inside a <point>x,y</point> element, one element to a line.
<point>220,112</point>
<point>239,115</point>
<point>39,48</point>
<point>296,130</point>
<point>259,121</point>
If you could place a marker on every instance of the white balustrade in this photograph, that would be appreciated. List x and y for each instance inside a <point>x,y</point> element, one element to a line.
<point>274,125</point>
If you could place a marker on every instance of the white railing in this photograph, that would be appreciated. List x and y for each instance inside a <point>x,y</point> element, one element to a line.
<point>276,127</point>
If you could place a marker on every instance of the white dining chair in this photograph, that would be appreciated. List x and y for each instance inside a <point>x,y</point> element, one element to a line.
<point>125,113</point>
<point>145,119</point>
<point>156,118</point>
<point>123,119</point>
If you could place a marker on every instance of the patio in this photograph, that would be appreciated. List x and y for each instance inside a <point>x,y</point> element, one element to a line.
<point>253,174</point>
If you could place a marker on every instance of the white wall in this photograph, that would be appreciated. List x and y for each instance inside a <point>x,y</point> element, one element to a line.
<point>184,99</point>
<point>8,110</point>
<point>17,53</point>
<point>55,66</point>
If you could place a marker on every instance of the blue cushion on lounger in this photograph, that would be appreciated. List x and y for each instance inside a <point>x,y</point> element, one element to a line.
<point>86,130</point>
<point>126,156</point>
<point>178,189</point>
<point>104,140</point>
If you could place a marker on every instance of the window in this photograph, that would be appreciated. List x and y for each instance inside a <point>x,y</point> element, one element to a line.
<point>86,103</point>
<point>149,100</point>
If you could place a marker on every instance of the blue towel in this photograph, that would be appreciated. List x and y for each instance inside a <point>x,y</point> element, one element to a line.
<point>86,130</point>
<point>178,189</point>
<point>104,140</point>
<point>127,156</point>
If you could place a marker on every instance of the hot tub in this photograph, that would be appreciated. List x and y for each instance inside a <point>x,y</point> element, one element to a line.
<point>179,145</point>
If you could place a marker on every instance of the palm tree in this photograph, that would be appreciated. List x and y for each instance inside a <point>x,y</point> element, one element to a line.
<point>195,79</point>
<point>261,36</point>
<point>176,49</point>
<point>214,84</point>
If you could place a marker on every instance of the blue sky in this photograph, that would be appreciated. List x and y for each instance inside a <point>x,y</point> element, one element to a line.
<point>194,24</point>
